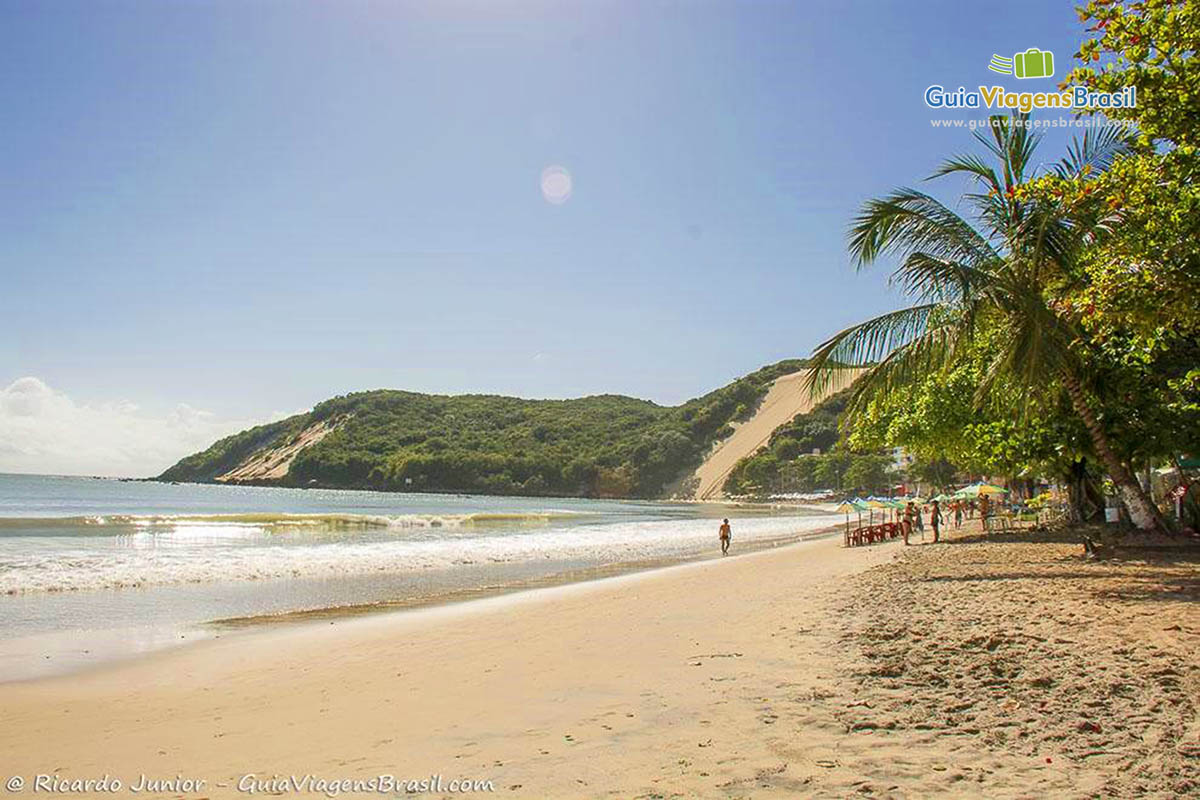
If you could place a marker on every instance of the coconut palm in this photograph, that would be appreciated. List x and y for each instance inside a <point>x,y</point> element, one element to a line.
<point>965,276</point>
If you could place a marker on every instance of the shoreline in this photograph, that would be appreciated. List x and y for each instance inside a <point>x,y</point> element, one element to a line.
<point>584,574</point>
<point>108,648</point>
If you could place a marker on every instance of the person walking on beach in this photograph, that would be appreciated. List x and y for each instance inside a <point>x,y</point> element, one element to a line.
<point>935,519</point>
<point>910,514</point>
<point>726,534</point>
<point>958,514</point>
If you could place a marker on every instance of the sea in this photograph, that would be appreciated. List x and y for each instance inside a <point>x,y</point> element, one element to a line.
<point>94,569</point>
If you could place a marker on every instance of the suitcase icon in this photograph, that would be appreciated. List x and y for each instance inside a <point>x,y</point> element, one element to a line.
<point>1034,63</point>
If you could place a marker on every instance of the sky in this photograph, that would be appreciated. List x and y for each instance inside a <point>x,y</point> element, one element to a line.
<point>217,213</point>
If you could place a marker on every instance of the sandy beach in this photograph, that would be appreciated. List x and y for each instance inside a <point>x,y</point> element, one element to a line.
<point>806,670</point>
<point>386,383</point>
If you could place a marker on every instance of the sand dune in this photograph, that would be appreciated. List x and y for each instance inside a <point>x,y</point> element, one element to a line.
<point>273,463</point>
<point>786,398</point>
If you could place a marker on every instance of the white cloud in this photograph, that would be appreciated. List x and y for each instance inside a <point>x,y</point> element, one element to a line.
<point>43,430</point>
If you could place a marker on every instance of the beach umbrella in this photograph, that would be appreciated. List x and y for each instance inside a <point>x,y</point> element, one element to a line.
<point>882,503</point>
<point>848,506</point>
<point>979,490</point>
<point>871,503</point>
<point>862,506</point>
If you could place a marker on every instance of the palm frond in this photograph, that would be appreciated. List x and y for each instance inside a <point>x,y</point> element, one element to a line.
<point>928,353</point>
<point>972,166</point>
<point>908,221</point>
<point>1094,151</point>
<point>1038,344</point>
<point>1013,143</point>
<point>935,279</point>
<point>867,342</point>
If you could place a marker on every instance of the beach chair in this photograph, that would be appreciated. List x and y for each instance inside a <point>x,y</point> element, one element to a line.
<point>998,523</point>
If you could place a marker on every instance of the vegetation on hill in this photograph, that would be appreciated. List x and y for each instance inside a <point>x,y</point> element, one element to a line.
<point>603,446</point>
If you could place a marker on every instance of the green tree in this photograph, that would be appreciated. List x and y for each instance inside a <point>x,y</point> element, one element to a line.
<point>937,472</point>
<point>867,474</point>
<point>1150,45</point>
<point>949,416</point>
<point>1140,302</point>
<point>1005,270</point>
<point>831,469</point>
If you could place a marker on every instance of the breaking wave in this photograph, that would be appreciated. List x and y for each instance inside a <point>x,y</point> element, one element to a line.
<point>110,523</point>
<point>151,550</point>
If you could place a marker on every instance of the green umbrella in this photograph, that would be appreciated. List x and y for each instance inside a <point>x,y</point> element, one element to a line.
<point>848,506</point>
<point>872,504</point>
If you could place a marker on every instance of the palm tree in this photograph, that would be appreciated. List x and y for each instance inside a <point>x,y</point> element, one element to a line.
<point>965,276</point>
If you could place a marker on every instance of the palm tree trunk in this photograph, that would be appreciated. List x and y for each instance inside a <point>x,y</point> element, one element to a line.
<point>1142,512</point>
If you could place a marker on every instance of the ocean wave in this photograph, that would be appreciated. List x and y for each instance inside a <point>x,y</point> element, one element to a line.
<point>87,563</point>
<point>100,522</point>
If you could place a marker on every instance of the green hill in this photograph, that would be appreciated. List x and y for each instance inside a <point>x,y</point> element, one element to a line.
<point>603,446</point>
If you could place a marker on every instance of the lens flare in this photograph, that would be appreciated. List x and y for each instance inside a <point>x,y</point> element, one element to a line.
<point>556,184</point>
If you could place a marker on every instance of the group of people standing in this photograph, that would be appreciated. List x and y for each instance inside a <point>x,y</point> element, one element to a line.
<point>957,510</point>
<point>913,519</point>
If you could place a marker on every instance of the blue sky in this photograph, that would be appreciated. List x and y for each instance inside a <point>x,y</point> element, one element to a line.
<point>245,208</point>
